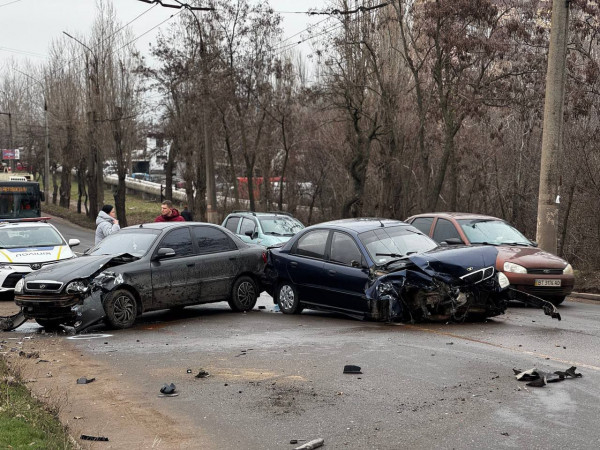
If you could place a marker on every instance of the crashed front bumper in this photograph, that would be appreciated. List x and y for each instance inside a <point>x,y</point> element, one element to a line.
<point>48,306</point>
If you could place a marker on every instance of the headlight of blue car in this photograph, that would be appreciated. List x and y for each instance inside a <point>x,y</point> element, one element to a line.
<point>503,280</point>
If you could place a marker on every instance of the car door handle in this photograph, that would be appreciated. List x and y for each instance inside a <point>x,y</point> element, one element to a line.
<point>293,264</point>
<point>332,272</point>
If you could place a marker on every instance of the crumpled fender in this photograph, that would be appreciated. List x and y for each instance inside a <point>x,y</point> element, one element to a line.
<point>8,323</point>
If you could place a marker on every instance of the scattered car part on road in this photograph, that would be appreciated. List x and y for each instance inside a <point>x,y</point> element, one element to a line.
<point>168,389</point>
<point>351,369</point>
<point>86,437</point>
<point>538,378</point>
<point>84,380</point>
<point>315,443</point>
<point>202,374</point>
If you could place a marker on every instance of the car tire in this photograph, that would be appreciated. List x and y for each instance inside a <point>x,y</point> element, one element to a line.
<point>121,309</point>
<point>288,299</point>
<point>556,300</point>
<point>50,324</point>
<point>244,294</point>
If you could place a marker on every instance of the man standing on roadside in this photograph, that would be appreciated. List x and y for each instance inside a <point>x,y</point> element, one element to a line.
<point>168,213</point>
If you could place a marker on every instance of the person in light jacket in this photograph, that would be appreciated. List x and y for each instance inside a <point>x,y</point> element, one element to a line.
<point>106,223</point>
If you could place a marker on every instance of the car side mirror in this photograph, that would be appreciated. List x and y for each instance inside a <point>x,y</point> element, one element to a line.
<point>454,241</point>
<point>74,242</point>
<point>534,243</point>
<point>250,234</point>
<point>165,252</point>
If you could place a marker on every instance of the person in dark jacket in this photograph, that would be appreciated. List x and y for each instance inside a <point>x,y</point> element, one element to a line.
<point>168,213</point>
<point>186,214</point>
<point>106,223</point>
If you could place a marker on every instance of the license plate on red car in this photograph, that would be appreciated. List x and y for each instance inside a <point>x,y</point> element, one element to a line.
<point>546,282</point>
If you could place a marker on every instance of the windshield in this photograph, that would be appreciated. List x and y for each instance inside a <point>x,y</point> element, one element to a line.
<point>280,225</point>
<point>27,237</point>
<point>395,242</point>
<point>135,242</point>
<point>479,231</point>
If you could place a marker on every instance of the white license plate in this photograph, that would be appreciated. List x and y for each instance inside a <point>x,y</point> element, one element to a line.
<point>545,282</point>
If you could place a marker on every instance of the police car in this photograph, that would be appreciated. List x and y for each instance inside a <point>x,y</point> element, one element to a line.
<point>27,245</point>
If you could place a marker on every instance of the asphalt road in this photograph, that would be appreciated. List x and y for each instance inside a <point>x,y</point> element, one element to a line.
<point>275,377</point>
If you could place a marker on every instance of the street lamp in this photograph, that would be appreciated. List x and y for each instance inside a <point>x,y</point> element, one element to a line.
<point>47,150</point>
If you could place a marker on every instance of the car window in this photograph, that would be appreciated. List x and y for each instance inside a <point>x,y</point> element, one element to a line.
<point>179,240</point>
<point>344,250</point>
<point>247,225</point>
<point>136,242</point>
<point>444,229</point>
<point>280,225</point>
<point>212,240</point>
<point>232,224</point>
<point>423,224</point>
<point>479,231</point>
<point>21,237</point>
<point>312,244</point>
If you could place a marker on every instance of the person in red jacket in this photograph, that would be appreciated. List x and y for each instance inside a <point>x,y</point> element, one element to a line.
<point>168,213</point>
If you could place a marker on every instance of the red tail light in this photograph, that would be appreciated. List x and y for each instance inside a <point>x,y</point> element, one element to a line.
<point>264,257</point>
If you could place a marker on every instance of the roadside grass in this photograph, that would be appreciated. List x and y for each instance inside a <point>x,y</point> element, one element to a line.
<point>138,209</point>
<point>26,423</point>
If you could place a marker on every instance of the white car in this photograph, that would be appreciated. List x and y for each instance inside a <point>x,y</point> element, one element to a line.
<point>28,245</point>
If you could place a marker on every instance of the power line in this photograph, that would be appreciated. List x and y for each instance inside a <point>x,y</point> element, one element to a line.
<point>22,52</point>
<point>10,3</point>
<point>180,5</point>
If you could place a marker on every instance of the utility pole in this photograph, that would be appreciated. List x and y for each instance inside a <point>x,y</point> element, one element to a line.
<point>10,138</point>
<point>549,189</point>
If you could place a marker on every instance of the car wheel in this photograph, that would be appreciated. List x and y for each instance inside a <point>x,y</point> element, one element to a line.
<point>287,298</point>
<point>244,294</point>
<point>49,324</point>
<point>556,300</point>
<point>121,309</point>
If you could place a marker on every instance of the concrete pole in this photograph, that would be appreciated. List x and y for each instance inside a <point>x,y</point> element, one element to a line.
<point>46,155</point>
<point>547,218</point>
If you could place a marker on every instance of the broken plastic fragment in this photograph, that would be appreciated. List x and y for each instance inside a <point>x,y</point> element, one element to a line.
<point>168,389</point>
<point>202,374</point>
<point>86,437</point>
<point>84,380</point>
<point>352,369</point>
<point>315,443</point>
<point>8,323</point>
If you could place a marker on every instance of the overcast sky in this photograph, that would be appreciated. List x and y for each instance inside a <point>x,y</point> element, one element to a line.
<point>28,26</point>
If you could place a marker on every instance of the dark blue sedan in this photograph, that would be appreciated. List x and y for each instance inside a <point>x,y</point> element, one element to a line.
<point>385,269</point>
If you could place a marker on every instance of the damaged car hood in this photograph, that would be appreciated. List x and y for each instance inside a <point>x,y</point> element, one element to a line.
<point>82,267</point>
<point>450,263</point>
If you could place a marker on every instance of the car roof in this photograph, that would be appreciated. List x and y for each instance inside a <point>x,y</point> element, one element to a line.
<point>362,224</point>
<point>163,225</point>
<point>261,214</point>
<point>25,224</point>
<point>456,215</point>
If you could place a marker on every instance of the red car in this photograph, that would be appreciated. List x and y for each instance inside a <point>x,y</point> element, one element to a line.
<point>528,268</point>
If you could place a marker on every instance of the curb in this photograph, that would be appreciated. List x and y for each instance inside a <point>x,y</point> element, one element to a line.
<point>586,296</point>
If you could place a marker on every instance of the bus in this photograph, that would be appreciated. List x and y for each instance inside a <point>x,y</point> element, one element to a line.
<point>20,199</point>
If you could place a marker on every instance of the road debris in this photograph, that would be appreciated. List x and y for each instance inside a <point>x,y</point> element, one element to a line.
<point>351,369</point>
<point>315,443</point>
<point>295,441</point>
<point>202,374</point>
<point>86,437</point>
<point>168,389</point>
<point>29,355</point>
<point>538,378</point>
<point>84,380</point>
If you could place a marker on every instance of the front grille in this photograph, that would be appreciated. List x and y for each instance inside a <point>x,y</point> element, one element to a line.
<point>12,279</point>
<point>42,285</point>
<point>545,271</point>
<point>478,276</point>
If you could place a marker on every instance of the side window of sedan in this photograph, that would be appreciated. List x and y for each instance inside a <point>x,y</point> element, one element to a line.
<point>247,225</point>
<point>444,229</point>
<point>344,250</point>
<point>232,224</point>
<point>423,224</point>
<point>212,240</point>
<point>312,244</point>
<point>179,240</point>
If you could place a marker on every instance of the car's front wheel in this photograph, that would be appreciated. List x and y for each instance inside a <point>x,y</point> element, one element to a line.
<point>287,298</point>
<point>244,294</point>
<point>121,309</point>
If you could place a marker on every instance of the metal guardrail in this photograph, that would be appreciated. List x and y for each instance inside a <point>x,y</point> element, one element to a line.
<point>144,186</point>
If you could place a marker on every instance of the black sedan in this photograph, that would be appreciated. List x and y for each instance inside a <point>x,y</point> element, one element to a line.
<point>144,268</point>
<point>386,270</point>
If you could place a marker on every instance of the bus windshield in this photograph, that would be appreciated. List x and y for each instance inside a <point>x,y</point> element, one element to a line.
<point>19,200</point>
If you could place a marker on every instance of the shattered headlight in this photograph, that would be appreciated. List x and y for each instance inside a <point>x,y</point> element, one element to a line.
<point>503,280</point>
<point>568,270</point>
<point>385,288</point>
<point>514,268</point>
<point>76,287</point>
<point>19,286</point>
